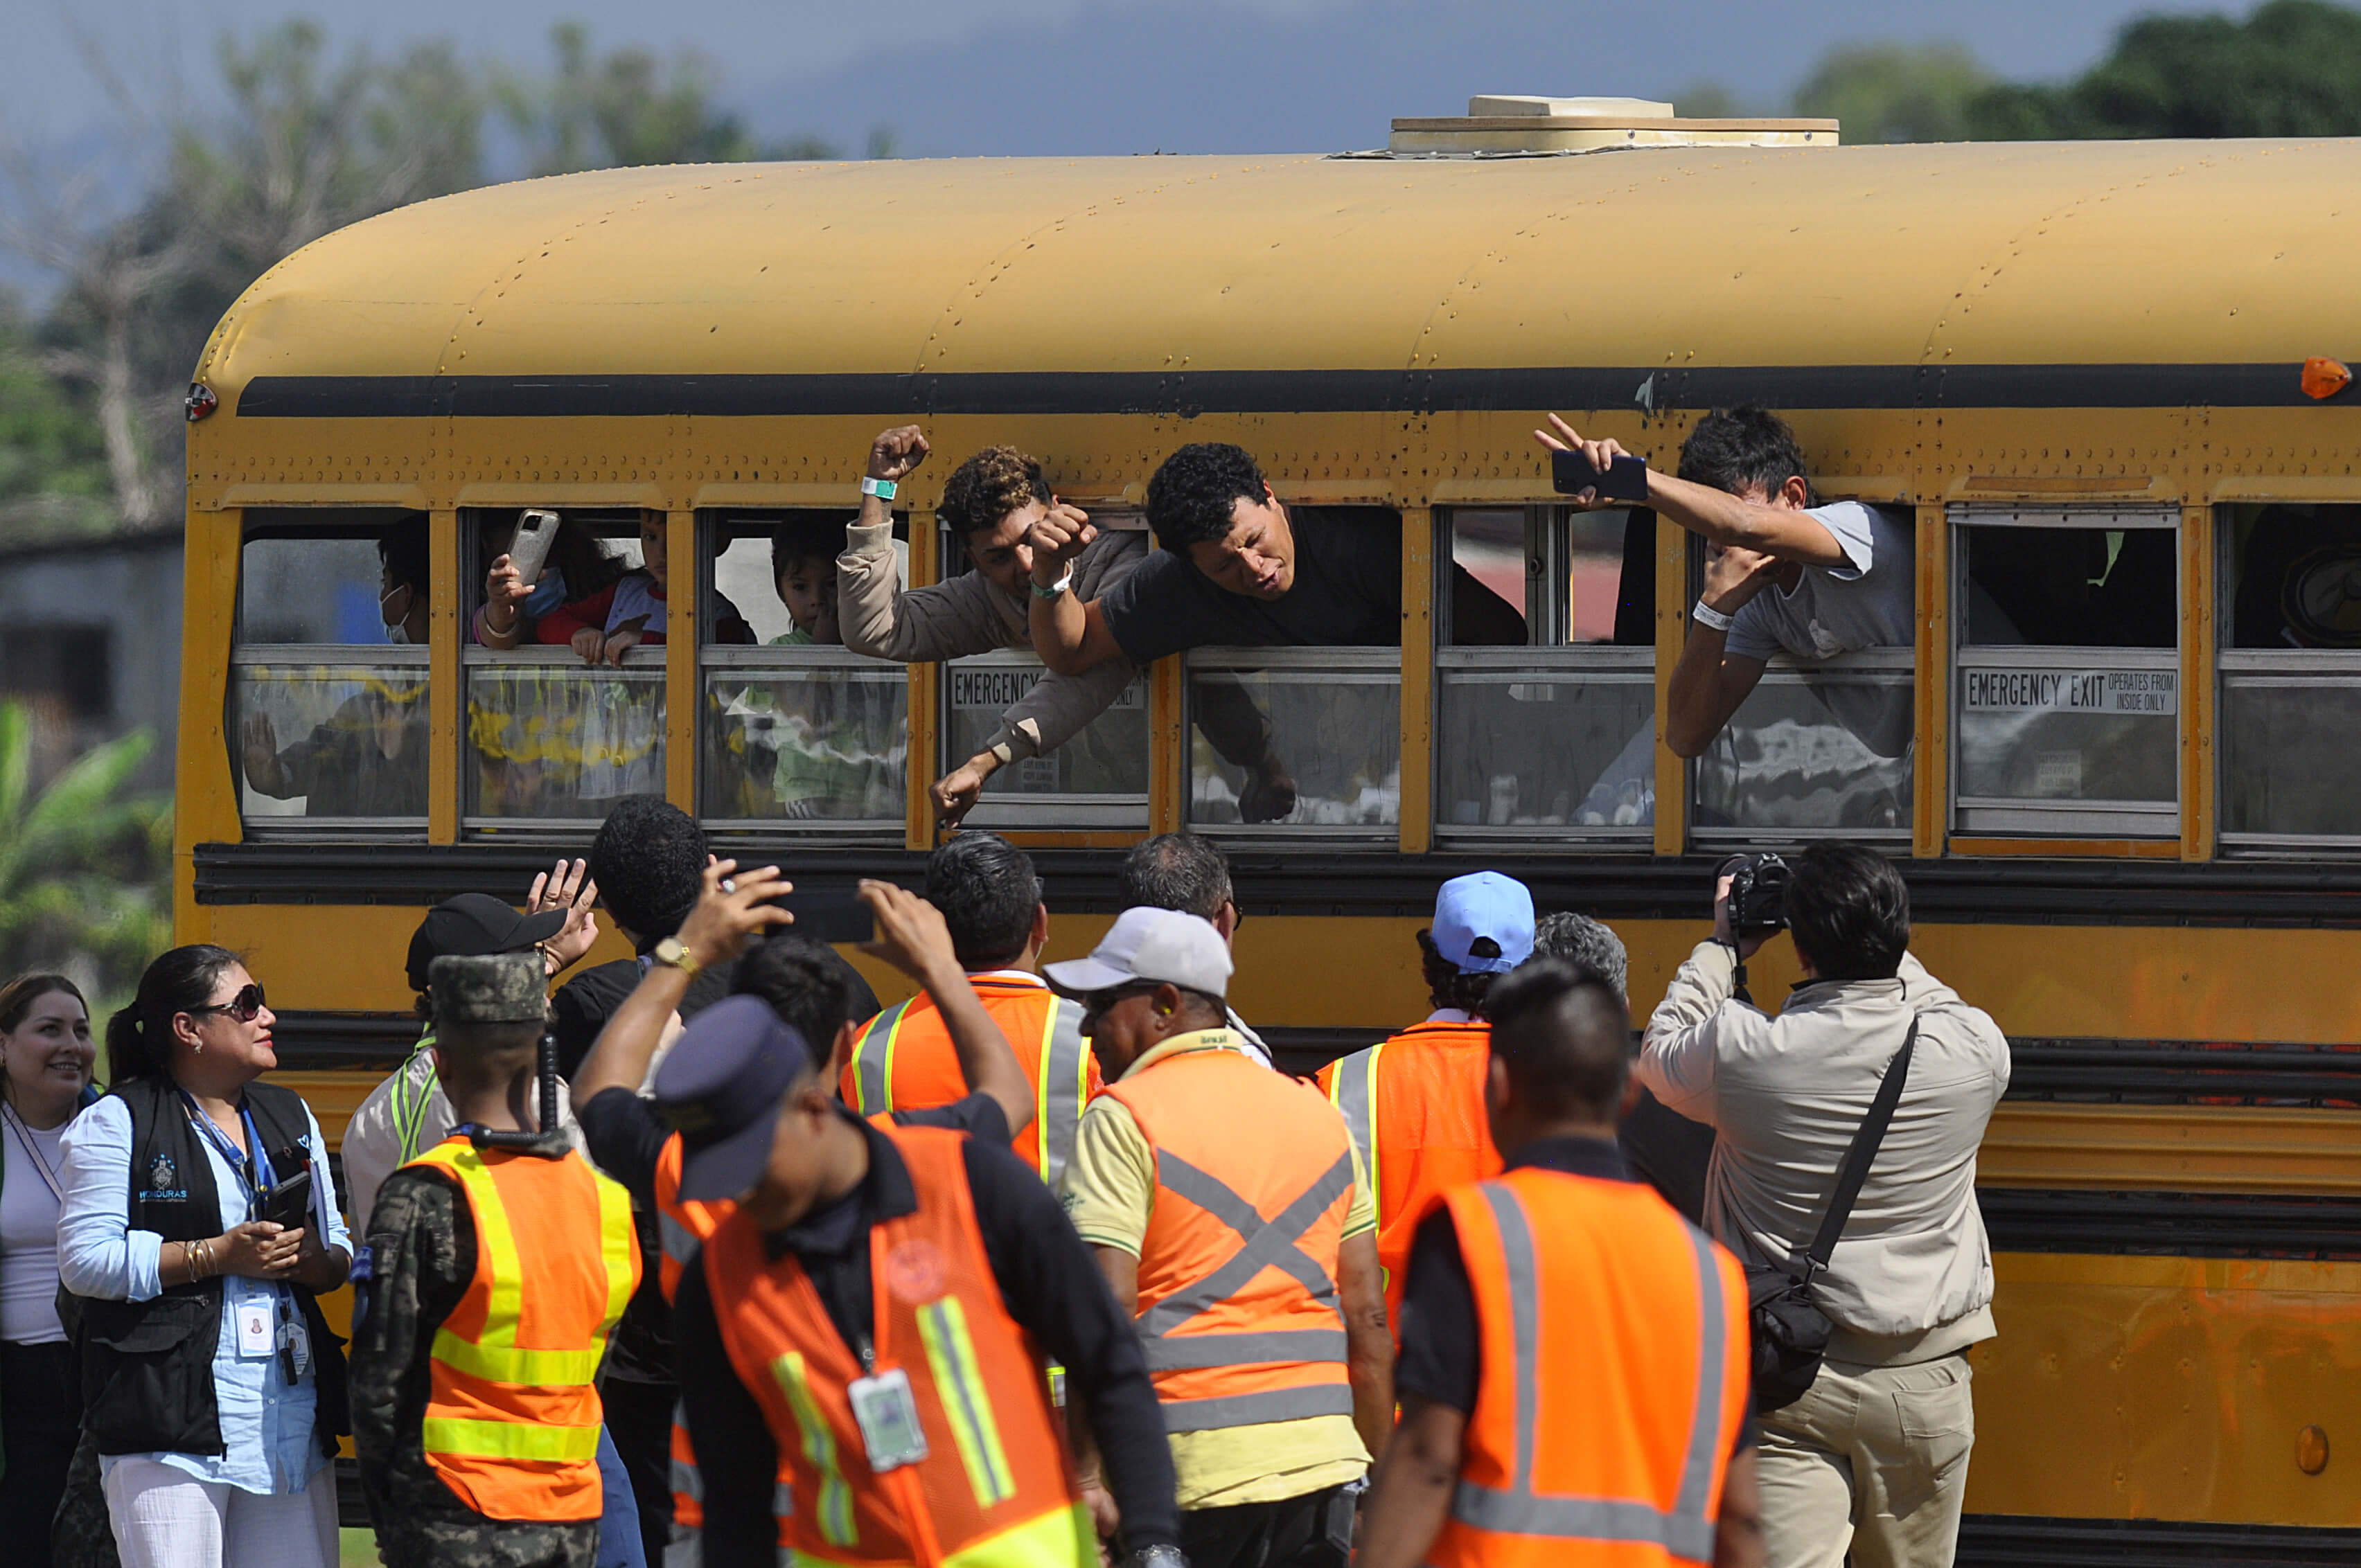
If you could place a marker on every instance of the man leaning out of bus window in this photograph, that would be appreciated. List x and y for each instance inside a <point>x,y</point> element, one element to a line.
<point>990,502</point>
<point>1237,567</point>
<point>1781,573</point>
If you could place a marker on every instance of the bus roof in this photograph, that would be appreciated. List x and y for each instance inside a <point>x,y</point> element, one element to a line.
<point>2095,253</point>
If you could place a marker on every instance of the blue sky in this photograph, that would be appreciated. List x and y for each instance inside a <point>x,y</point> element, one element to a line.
<point>959,77</point>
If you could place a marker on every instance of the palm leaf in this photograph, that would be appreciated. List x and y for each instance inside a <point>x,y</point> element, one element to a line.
<point>77,800</point>
<point>16,763</point>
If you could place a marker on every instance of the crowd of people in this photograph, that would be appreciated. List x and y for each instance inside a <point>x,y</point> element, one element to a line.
<point>705,1256</point>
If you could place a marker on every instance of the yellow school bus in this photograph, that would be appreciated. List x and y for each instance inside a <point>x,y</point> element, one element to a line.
<point>2114,764</point>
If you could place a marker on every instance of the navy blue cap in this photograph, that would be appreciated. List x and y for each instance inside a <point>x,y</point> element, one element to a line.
<point>722,1087</point>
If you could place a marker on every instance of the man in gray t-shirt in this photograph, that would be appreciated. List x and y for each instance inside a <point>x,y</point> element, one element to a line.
<point>1782,575</point>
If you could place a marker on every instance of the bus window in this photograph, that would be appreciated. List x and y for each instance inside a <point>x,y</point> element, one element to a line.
<point>1545,674</point>
<point>1098,779</point>
<point>552,738</point>
<point>328,712</point>
<point>795,727</point>
<point>2068,690</point>
<point>2290,663</point>
<point>1821,748</point>
<point>1307,737</point>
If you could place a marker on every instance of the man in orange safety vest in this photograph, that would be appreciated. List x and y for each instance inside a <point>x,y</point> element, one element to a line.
<point>1415,1102</point>
<point>1575,1364</point>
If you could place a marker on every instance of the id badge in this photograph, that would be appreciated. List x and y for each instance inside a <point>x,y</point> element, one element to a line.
<point>888,1415</point>
<point>295,1338</point>
<point>258,1330</point>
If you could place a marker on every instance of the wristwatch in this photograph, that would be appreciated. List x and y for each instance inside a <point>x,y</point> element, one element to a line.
<point>1056,591</point>
<point>1158,1557</point>
<point>671,953</point>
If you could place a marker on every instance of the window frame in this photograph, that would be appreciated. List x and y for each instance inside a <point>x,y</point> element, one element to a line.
<point>1549,613</point>
<point>2075,823</point>
<point>326,521</point>
<point>2316,668</point>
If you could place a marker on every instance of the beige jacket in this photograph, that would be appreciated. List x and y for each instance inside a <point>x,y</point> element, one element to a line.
<point>1911,1275</point>
<point>969,615</point>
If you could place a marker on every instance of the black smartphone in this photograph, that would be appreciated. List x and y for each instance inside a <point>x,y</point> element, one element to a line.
<point>831,914</point>
<point>289,1203</point>
<point>1626,478</point>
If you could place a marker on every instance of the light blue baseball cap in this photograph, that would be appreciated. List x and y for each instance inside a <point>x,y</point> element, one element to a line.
<point>1484,923</point>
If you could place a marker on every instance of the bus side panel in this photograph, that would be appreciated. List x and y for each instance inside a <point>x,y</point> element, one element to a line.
<point>2166,1388</point>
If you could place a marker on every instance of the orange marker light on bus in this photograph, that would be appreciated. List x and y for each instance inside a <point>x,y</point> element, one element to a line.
<point>2325,378</point>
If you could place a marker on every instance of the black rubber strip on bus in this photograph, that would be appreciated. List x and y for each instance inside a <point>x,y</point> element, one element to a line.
<point>2006,890</point>
<point>2027,1541</point>
<point>1189,394</point>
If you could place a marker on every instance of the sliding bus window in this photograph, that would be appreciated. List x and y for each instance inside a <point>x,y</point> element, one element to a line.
<point>2066,694</point>
<point>795,728</point>
<point>1822,747</point>
<point>1098,778</point>
<point>327,694</point>
<point>1545,714</point>
<point>570,719</point>
<point>2291,661</point>
<point>1306,741</point>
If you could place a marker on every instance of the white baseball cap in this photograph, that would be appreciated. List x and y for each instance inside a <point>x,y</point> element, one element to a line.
<point>1145,944</point>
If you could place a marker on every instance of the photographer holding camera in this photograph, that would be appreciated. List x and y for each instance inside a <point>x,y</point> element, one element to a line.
<point>1869,1452</point>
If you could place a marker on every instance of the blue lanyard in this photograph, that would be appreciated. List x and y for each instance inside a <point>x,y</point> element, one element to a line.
<point>255,1173</point>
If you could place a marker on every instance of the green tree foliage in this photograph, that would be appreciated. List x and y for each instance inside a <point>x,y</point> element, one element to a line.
<point>53,477</point>
<point>629,109</point>
<point>85,865</point>
<point>2291,69</point>
<point>1890,91</point>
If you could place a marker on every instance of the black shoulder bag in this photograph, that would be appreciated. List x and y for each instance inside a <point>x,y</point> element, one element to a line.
<point>1790,1333</point>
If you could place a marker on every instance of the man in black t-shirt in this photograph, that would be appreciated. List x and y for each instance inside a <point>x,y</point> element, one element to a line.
<point>1237,568</point>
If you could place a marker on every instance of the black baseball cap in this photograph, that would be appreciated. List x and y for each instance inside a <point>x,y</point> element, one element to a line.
<point>723,1088</point>
<point>475,925</point>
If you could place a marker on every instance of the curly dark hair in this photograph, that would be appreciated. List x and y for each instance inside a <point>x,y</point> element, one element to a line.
<point>1192,492</point>
<point>1736,450</point>
<point>649,863</point>
<point>988,486</point>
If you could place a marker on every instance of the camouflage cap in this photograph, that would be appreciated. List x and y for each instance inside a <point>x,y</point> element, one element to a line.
<point>492,987</point>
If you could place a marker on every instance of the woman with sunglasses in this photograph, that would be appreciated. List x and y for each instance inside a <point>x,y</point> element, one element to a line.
<point>45,1059</point>
<point>216,1391</point>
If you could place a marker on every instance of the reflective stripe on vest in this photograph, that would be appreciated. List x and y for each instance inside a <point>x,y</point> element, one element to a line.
<point>1064,1085</point>
<point>411,1094</point>
<point>513,1369</point>
<point>872,1060</point>
<point>1686,1530</point>
<point>834,1515</point>
<point>1352,1090</point>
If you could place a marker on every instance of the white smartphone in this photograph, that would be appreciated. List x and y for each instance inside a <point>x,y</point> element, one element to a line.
<point>529,550</point>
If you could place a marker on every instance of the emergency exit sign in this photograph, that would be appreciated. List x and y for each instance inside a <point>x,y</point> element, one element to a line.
<point>2155,692</point>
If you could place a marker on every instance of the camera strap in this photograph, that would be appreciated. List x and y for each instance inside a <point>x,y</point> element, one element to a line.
<point>1858,1158</point>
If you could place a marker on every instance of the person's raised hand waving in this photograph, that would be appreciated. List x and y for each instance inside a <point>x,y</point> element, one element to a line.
<point>505,591</point>
<point>566,887</point>
<point>1600,454</point>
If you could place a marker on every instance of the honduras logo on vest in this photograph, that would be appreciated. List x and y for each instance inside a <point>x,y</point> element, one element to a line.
<point>163,1178</point>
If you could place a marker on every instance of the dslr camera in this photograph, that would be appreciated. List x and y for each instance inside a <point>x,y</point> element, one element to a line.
<point>1758,894</point>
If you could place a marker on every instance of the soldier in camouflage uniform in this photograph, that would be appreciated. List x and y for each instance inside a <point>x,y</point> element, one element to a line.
<point>488,1013</point>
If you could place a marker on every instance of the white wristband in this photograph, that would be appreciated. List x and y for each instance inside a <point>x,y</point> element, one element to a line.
<point>1707,616</point>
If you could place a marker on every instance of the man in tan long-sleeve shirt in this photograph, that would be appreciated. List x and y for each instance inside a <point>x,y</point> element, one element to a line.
<point>990,501</point>
<point>1874,1457</point>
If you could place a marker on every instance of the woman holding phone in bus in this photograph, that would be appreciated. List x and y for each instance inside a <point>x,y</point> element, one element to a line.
<point>200,1226</point>
<point>44,1060</point>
